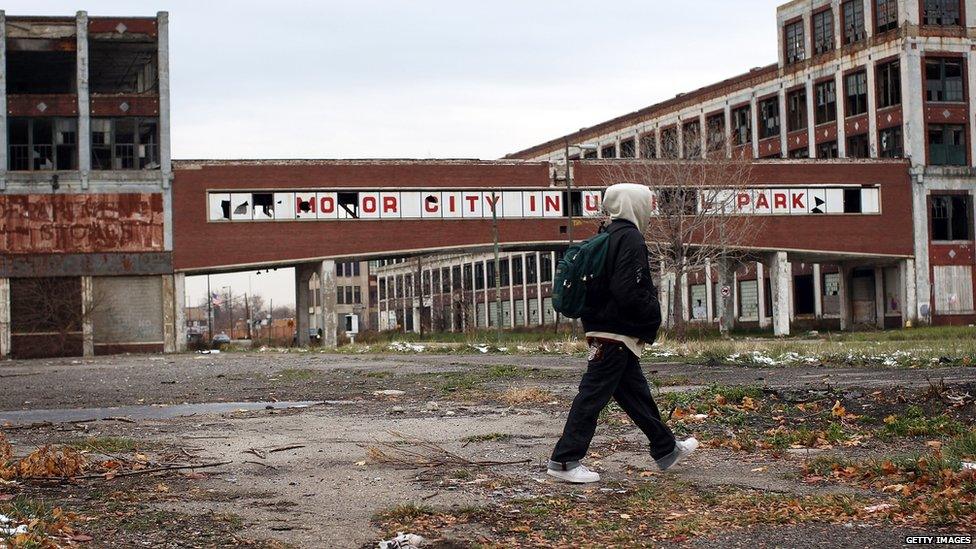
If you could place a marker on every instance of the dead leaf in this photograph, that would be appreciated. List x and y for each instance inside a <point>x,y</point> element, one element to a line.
<point>838,410</point>
<point>748,403</point>
<point>890,420</point>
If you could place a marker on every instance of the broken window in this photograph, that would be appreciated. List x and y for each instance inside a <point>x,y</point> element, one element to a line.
<point>858,146</point>
<point>952,217</point>
<point>479,276</point>
<point>590,154</point>
<point>795,42</point>
<point>348,205</point>
<point>648,146</point>
<point>608,151</point>
<point>889,84</point>
<point>531,269</point>
<point>827,150</point>
<point>125,143</point>
<point>627,148</point>
<point>742,125</point>
<point>947,145</point>
<point>35,67</point>
<point>769,118</point>
<point>546,267</point>
<point>716,132</point>
<point>856,85</point>
<point>853,12</point>
<point>802,152</point>
<point>517,273</point>
<point>669,143</point>
<point>505,273</point>
<point>943,79</point>
<point>122,67</point>
<point>490,274</point>
<point>796,106</point>
<point>36,144</point>
<point>823,31</point>
<point>691,140</point>
<point>941,12</point>
<point>891,143</point>
<point>445,280</point>
<point>885,15</point>
<point>826,107</point>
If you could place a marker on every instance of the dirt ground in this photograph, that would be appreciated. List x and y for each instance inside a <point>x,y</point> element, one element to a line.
<point>791,456</point>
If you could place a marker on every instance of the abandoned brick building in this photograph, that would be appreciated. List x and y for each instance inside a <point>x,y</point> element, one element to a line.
<point>862,134</point>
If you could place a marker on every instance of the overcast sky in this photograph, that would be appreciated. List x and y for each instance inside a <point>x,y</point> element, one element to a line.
<point>427,78</point>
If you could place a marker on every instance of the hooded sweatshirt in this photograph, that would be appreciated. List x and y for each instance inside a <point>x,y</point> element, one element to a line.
<point>628,202</point>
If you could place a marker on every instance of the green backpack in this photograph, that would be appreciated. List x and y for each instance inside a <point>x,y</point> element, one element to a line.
<point>579,267</point>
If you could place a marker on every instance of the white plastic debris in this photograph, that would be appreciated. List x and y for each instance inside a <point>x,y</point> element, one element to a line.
<point>968,466</point>
<point>10,531</point>
<point>209,352</point>
<point>403,541</point>
<point>878,508</point>
<point>389,392</point>
<point>405,347</point>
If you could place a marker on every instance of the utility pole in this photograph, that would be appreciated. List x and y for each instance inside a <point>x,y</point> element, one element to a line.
<point>230,309</point>
<point>498,272</point>
<point>247,315</point>
<point>569,208</point>
<point>270,320</point>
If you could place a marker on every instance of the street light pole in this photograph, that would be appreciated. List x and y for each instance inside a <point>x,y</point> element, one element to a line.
<point>498,272</point>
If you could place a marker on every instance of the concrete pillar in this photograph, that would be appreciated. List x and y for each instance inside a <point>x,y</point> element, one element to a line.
<point>727,113</point>
<point>165,151</point>
<point>920,220</point>
<point>872,103</point>
<point>912,98</point>
<point>538,288</point>
<point>909,297</point>
<point>726,296</point>
<point>484,275</point>
<point>511,291</point>
<point>971,61</point>
<point>735,295</point>
<point>780,274</point>
<point>761,294</point>
<point>474,298</point>
<point>868,23</point>
<point>811,120</point>
<point>681,138</point>
<point>87,305</point>
<point>754,115</point>
<point>84,103</point>
<point>879,298</point>
<point>841,111</point>
<point>817,292</point>
<point>3,108</point>
<point>179,304</point>
<point>702,137</point>
<point>783,141</point>
<point>450,295</point>
<point>525,292</point>
<point>303,273</point>
<point>709,301</point>
<point>4,318</point>
<point>169,314</point>
<point>327,289</point>
<point>844,296</point>
<point>685,298</point>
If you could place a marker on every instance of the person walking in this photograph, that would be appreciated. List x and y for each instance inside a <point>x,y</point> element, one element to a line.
<point>621,316</point>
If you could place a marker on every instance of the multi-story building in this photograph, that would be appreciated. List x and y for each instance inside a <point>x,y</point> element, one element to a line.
<point>855,79</point>
<point>85,204</point>
<point>355,297</point>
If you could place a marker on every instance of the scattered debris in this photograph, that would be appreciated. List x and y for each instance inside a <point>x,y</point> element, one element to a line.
<point>413,453</point>
<point>389,392</point>
<point>403,541</point>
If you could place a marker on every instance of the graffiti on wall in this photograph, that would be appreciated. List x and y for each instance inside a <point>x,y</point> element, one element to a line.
<point>81,223</point>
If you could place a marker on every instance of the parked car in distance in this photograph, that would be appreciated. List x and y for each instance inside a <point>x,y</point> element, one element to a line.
<point>220,340</point>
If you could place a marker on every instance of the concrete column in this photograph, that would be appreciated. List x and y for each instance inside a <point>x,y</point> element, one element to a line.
<point>784,144</point>
<point>872,104</point>
<point>474,297</point>
<point>912,98</point>
<point>726,303</point>
<point>87,304</point>
<point>807,35</point>
<point>4,318</point>
<point>868,21</point>
<point>303,273</point>
<point>844,296</point>
<point>780,274</point>
<point>327,289</point>
<point>728,129</point>
<point>841,113</point>
<point>709,301</point>
<point>538,288</point>
<point>685,298</point>
<point>525,292</point>
<point>668,281</point>
<point>165,151</point>
<point>754,115</point>
<point>920,222</point>
<point>735,295</point>
<point>511,288</point>
<point>179,311</point>
<point>909,13</point>
<point>3,110</point>
<point>681,138</point>
<point>761,294</point>
<point>817,292</point>
<point>909,297</point>
<point>702,136</point>
<point>879,298</point>
<point>484,275</point>
<point>971,60</point>
<point>811,120</point>
<point>84,103</point>
<point>169,314</point>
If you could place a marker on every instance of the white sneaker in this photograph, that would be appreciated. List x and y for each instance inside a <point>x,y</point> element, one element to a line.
<point>577,475</point>
<point>682,449</point>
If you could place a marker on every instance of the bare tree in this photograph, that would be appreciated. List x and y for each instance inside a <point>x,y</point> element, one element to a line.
<point>697,220</point>
<point>53,309</point>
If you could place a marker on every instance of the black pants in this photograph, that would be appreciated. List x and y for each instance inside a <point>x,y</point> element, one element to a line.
<point>613,371</point>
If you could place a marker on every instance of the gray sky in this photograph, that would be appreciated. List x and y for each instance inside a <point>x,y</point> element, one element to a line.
<point>427,78</point>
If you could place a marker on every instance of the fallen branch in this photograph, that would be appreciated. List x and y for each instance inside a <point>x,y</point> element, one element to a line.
<point>284,448</point>
<point>256,452</point>
<point>110,475</point>
<point>426,455</point>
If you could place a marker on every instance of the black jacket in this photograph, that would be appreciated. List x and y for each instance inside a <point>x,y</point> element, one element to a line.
<point>626,302</point>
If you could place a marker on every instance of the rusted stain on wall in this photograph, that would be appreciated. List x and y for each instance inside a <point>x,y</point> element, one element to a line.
<point>81,223</point>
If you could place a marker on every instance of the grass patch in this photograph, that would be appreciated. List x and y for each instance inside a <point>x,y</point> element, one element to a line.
<point>915,423</point>
<point>489,437</point>
<point>108,445</point>
<point>527,395</point>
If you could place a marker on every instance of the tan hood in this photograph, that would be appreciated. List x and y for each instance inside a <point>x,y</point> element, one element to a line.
<point>629,201</point>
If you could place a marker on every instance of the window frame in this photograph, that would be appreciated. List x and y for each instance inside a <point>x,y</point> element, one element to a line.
<point>794,41</point>
<point>943,61</point>
<point>32,142</point>
<point>113,144</point>
<point>963,147</point>
<point>799,117</point>
<point>831,116</point>
<point>891,152</point>
<point>857,15</point>
<point>887,83</point>
<point>859,139</point>
<point>737,127</point>
<point>885,7</point>
<point>856,104</point>
<point>960,12</point>
<point>770,125</point>
<point>951,211</point>
<point>825,20</point>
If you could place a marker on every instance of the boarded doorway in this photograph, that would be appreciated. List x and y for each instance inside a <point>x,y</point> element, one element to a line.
<point>864,308</point>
